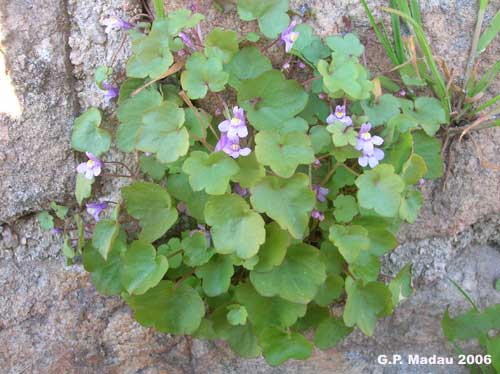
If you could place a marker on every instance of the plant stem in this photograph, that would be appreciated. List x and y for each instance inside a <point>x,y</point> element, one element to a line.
<point>159,9</point>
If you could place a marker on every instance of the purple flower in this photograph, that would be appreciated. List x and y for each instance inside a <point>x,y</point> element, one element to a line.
<point>285,66</point>
<point>288,36</point>
<point>56,230</point>
<point>94,209</point>
<point>114,22</point>
<point>365,143</point>
<point>187,41</point>
<point>237,189</point>
<point>110,91</point>
<point>421,182</point>
<point>91,168</point>
<point>231,147</point>
<point>322,96</point>
<point>302,65</point>
<point>320,192</point>
<point>316,214</point>
<point>236,127</point>
<point>340,115</point>
<point>316,164</point>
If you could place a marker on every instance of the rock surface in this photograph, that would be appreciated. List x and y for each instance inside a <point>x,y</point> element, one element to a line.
<point>51,318</point>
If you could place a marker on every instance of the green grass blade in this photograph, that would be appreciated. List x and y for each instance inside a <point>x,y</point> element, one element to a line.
<point>159,9</point>
<point>485,81</point>
<point>382,37</point>
<point>440,86</point>
<point>415,11</point>
<point>487,104</point>
<point>465,294</point>
<point>489,34</point>
<point>396,34</point>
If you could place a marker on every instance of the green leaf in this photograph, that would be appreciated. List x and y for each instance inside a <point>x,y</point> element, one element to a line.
<point>142,268</point>
<point>79,232</point>
<point>202,74</point>
<point>350,240</point>
<point>330,332</point>
<point>252,37</point>
<point>152,56</point>
<point>398,154</point>
<point>341,178</point>
<point>287,201</point>
<point>268,311</point>
<point>216,275</point>
<point>168,249</point>
<point>237,315</point>
<point>60,210</point>
<point>429,114</point>
<point>162,133</point>
<point>345,76</point>
<point>45,220</point>
<point>106,274</point>
<point>414,169</point>
<point>345,208</point>
<point>309,45</point>
<point>67,249</point>
<point>105,233</point>
<point>387,107</point>
<point>344,153</point>
<point>101,74</point>
<point>330,290</point>
<point>130,115</point>
<point>366,267</point>
<point>248,63</point>
<point>197,128</point>
<point>221,44</point>
<point>342,135</point>
<point>170,308</point>
<point>196,251</point>
<point>493,348</point>
<point>271,99</point>
<point>235,227</point>
<point>332,258</point>
<point>179,187</point>
<point>429,149</point>
<point>181,19</point>
<point>87,136</point>
<point>251,171</point>
<point>271,15</point>
<point>381,238</point>
<point>283,153</point>
<point>366,303</point>
<point>410,206</point>
<point>151,166</point>
<point>297,278</point>
<point>279,346</point>
<point>152,206</point>
<point>273,251</point>
<point>347,45</point>
<point>210,172</point>
<point>400,286</point>
<point>83,188</point>
<point>471,324</point>
<point>380,189</point>
<point>320,139</point>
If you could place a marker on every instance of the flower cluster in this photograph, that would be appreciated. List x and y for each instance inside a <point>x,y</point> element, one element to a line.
<point>232,130</point>
<point>366,144</point>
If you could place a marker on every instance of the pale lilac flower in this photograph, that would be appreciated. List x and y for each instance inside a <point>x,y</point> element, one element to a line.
<point>56,230</point>
<point>91,168</point>
<point>340,115</point>
<point>222,143</point>
<point>95,209</point>
<point>316,214</point>
<point>234,149</point>
<point>236,127</point>
<point>421,182</point>
<point>366,141</point>
<point>181,52</point>
<point>322,96</point>
<point>289,37</point>
<point>237,189</point>
<point>320,192</point>
<point>302,65</point>
<point>110,91</point>
<point>114,22</point>
<point>316,164</point>
<point>285,66</point>
<point>187,41</point>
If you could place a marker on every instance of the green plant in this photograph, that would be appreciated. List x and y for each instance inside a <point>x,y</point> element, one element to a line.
<point>412,57</point>
<point>250,225</point>
<point>480,325</point>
